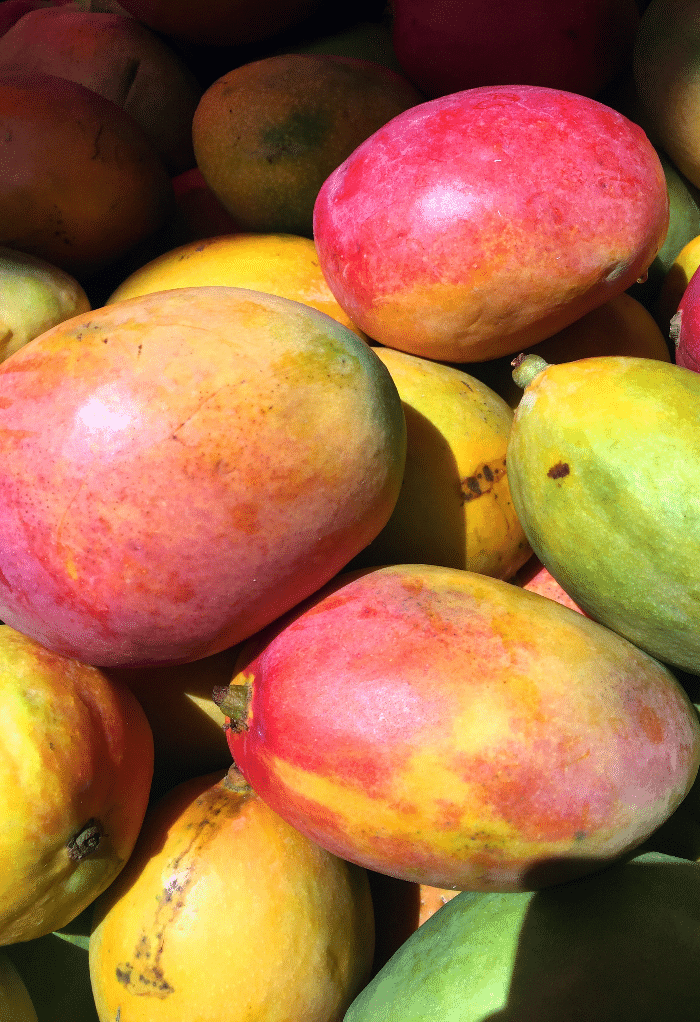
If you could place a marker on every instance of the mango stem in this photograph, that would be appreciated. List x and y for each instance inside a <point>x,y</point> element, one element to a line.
<point>234,701</point>
<point>526,368</point>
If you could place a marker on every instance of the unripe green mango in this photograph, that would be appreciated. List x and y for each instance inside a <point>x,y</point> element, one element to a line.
<point>604,470</point>
<point>620,945</point>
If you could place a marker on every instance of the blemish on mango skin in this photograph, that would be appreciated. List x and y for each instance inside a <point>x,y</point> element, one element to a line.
<point>144,976</point>
<point>483,480</point>
<point>651,725</point>
<point>559,470</point>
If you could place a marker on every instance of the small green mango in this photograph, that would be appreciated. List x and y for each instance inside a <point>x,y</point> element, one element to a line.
<point>620,945</point>
<point>34,296</point>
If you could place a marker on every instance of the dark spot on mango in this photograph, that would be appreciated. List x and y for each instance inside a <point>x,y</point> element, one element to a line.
<point>301,133</point>
<point>490,474</point>
<point>559,470</point>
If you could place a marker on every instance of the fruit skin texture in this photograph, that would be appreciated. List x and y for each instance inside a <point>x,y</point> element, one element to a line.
<point>82,184</point>
<point>279,264</point>
<point>77,751</point>
<point>182,467</point>
<point>604,472</point>
<point>517,210</point>
<point>444,47</point>
<point>267,134</point>
<point>685,326</point>
<point>455,730</point>
<point>225,913</point>
<point>617,946</point>
<point>454,508</point>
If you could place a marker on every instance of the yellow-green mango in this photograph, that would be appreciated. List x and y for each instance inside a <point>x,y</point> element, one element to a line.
<point>604,469</point>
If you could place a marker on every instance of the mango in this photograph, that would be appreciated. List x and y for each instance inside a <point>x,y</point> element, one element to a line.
<point>120,59</point>
<point>518,209</point>
<point>34,296</point>
<point>604,469</point>
<point>268,133</point>
<point>617,946</point>
<point>278,264</point>
<point>75,772</point>
<point>455,730</point>
<point>181,468</point>
<point>82,183</point>
<point>667,76</point>
<point>454,507</point>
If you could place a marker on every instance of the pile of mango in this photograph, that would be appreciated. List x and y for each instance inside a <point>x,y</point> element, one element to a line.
<point>350,490</point>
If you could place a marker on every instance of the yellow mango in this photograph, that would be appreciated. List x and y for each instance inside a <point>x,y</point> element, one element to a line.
<point>454,508</point>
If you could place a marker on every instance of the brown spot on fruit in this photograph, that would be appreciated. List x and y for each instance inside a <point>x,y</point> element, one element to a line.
<point>482,482</point>
<point>150,981</point>
<point>559,470</point>
<point>86,841</point>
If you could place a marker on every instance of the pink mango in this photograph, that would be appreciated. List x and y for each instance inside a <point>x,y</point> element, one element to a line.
<point>685,326</point>
<point>181,468</point>
<point>451,729</point>
<point>482,222</point>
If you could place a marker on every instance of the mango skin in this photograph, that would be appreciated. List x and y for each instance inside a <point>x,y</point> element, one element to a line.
<point>77,749</point>
<point>455,730</point>
<point>605,476</point>
<point>82,183</point>
<point>454,508</point>
<point>182,467</point>
<point>279,264</point>
<point>225,913</point>
<point>617,946</point>
<point>518,209</point>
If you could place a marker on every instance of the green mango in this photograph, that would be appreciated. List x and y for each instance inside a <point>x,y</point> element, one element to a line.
<point>604,472</point>
<point>620,945</point>
<point>683,226</point>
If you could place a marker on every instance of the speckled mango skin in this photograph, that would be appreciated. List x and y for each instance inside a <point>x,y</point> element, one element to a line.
<point>225,913</point>
<point>517,210</point>
<point>455,730</point>
<point>182,467</point>
<point>604,470</point>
